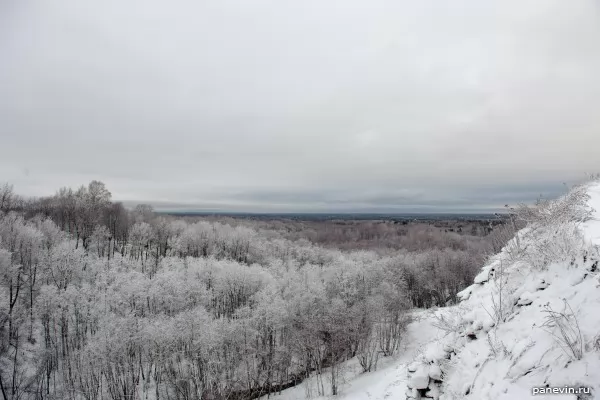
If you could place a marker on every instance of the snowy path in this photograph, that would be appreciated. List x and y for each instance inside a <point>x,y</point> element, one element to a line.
<point>388,382</point>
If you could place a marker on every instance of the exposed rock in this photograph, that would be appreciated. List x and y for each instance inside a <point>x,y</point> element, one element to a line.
<point>411,393</point>
<point>435,372</point>
<point>577,278</point>
<point>525,299</point>
<point>412,367</point>
<point>433,392</point>
<point>483,276</point>
<point>542,285</point>
<point>488,324</point>
<point>420,379</point>
<point>466,293</point>
<point>435,352</point>
<point>470,333</point>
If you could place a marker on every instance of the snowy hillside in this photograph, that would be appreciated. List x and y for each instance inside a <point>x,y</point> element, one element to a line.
<point>530,320</point>
<point>387,382</point>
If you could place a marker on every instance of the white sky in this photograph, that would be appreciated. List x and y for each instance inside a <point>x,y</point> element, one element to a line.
<point>312,105</point>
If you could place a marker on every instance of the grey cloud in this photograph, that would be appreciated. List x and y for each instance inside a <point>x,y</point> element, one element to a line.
<point>440,199</point>
<point>306,105</point>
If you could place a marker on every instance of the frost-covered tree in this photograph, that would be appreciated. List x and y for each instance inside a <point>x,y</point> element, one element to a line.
<point>100,302</point>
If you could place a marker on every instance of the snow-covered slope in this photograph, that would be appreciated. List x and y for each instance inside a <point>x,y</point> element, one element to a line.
<point>530,320</point>
<point>387,382</point>
<point>526,324</point>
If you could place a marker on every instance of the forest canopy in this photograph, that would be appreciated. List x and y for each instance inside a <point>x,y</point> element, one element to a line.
<point>98,301</point>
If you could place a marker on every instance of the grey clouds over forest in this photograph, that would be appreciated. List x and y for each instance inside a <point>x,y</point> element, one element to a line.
<point>301,106</point>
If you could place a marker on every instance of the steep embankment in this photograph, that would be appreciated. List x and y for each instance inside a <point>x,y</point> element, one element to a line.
<point>531,319</point>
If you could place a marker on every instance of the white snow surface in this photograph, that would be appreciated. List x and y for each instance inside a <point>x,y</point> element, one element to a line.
<point>482,357</point>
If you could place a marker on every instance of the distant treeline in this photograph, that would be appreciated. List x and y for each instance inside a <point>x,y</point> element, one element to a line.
<point>338,216</point>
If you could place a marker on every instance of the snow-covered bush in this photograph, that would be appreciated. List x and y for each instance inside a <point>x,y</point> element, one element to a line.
<point>553,233</point>
<point>449,321</point>
<point>572,207</point>
<point>557,243</point>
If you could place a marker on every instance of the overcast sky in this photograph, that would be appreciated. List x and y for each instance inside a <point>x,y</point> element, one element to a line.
<point>307,105</point>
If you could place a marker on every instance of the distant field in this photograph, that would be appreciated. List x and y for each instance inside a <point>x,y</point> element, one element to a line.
<point>338,216</point>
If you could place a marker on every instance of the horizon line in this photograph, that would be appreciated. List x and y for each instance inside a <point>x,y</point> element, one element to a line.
<point>329,213</point>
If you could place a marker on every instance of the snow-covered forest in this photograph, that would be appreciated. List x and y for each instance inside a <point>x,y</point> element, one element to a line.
<point>299,200</point>
<point>101,302</point>
<point>527,327</point>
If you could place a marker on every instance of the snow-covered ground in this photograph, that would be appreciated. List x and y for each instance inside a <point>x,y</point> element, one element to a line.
<point>531,319</point>
<point>387,381</point>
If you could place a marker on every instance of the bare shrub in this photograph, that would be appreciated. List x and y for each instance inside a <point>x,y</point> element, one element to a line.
<point>500,237</point>
<point>506,238</point>
<point>563,243</point>
<point>390,331</point>
<point>554,225</point>
<point>572,207</point>
<point>596,343</point>
<point>449,321</point>
<point>496,345</point>
<point>513,249</point>
<point>501,302</point>
<point>564,328</point>
<point>368,353</point>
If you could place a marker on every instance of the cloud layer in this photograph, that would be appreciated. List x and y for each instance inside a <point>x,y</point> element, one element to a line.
<point>286,105</point>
